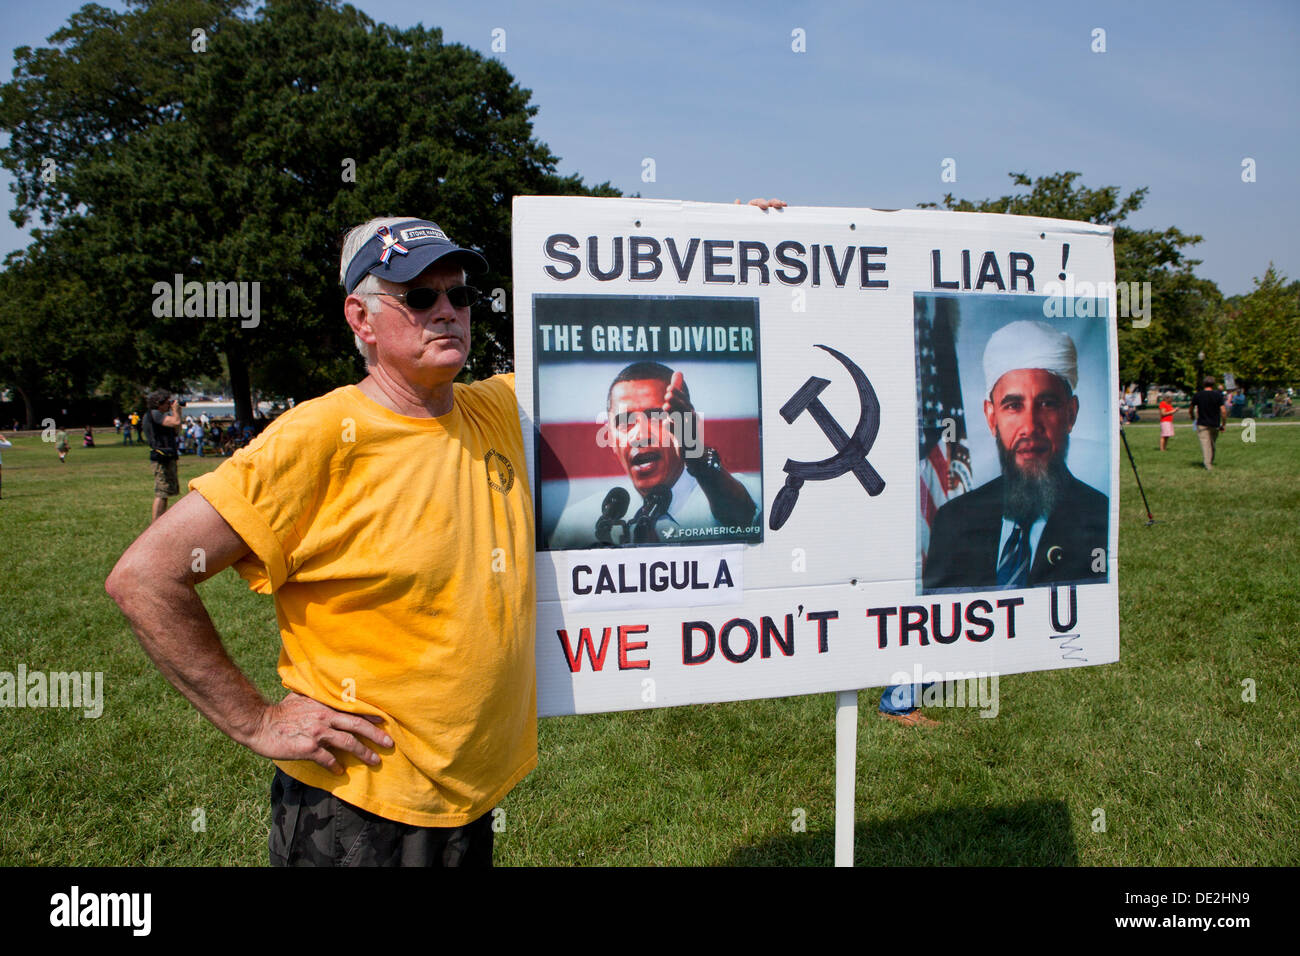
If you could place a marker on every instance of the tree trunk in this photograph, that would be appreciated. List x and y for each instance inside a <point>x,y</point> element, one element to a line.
<point>240,389</point>
<point>27,404</point>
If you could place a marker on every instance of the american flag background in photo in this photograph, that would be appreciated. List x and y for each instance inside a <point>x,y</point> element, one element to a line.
<point>945,464</point>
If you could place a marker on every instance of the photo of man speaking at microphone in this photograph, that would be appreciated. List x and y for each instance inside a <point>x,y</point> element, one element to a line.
<point>1025,507</point>
<point>673,458</point>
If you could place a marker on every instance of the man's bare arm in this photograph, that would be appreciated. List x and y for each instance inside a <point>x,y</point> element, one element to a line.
<point>154,585</point>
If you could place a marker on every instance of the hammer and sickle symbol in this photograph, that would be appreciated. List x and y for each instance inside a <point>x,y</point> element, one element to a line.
<point>850,452</point>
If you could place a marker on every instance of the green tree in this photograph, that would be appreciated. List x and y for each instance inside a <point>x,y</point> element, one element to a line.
<point>49,370</point>
<point>248,160</point>
<point>1261,332</point>
<point>1183,305</point>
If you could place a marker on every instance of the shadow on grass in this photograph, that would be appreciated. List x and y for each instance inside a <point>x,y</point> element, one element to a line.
<point>1037,833</point>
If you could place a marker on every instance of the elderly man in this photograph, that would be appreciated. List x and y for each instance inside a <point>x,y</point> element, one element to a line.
<point>681,488</point>
<point>1036,524</point>
<point>387,520</point>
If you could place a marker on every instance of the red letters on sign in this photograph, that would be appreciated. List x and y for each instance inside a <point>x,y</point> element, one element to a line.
<point>624,645</point>
<point>574,655</point>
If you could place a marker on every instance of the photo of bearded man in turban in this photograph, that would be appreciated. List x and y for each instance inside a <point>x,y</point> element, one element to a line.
<point>1035,524</point>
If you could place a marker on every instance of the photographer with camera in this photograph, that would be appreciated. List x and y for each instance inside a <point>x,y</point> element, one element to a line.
<point>160,431</point>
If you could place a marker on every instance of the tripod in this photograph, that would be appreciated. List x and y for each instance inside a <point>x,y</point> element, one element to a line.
<point>1150,517</point>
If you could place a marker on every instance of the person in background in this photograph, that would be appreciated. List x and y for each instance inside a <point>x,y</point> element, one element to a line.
<point>1210,411</point>
<point>88,438</point>
<point>163,417</point>
<point>61,445</point>
<point>1166,421</point>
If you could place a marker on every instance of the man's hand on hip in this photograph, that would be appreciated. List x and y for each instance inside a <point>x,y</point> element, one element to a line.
<point>299,728</point>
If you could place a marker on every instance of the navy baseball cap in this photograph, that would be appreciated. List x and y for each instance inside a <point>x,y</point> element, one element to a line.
<point>401,252</point>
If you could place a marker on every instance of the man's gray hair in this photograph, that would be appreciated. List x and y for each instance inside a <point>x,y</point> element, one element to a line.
<point>369,284</point>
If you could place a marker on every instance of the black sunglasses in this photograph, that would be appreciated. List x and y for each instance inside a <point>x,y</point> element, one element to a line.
<point>422,299</point>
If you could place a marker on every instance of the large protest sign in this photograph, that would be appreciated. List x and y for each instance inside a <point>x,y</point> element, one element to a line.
<point>814,449</point>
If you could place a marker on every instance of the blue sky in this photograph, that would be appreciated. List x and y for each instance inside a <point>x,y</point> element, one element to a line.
<point>885,92</point>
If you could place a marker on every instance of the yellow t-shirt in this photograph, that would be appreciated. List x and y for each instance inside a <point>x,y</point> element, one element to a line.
<point>400,554</point>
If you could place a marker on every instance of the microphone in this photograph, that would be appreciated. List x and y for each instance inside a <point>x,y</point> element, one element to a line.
<point>612,510</point>
<point>656,505</point>
<point>657,502</point>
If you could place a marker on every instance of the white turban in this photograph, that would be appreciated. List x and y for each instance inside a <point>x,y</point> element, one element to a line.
<point>1030,345</point>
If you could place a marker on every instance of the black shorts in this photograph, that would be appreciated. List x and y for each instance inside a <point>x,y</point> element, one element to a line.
<point>312,827</point>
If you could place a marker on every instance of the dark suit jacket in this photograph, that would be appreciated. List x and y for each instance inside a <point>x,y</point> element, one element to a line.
<point>964,540</point>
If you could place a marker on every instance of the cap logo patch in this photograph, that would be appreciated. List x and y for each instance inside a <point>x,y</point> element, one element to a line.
<point>424,232</point>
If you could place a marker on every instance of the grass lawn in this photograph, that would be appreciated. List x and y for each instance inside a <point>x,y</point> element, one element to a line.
<point>1185,770</point>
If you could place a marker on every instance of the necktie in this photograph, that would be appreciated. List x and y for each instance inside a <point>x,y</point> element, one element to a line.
<point>1013,563</point>
<point>643,523</point>
<point>643,531</point>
